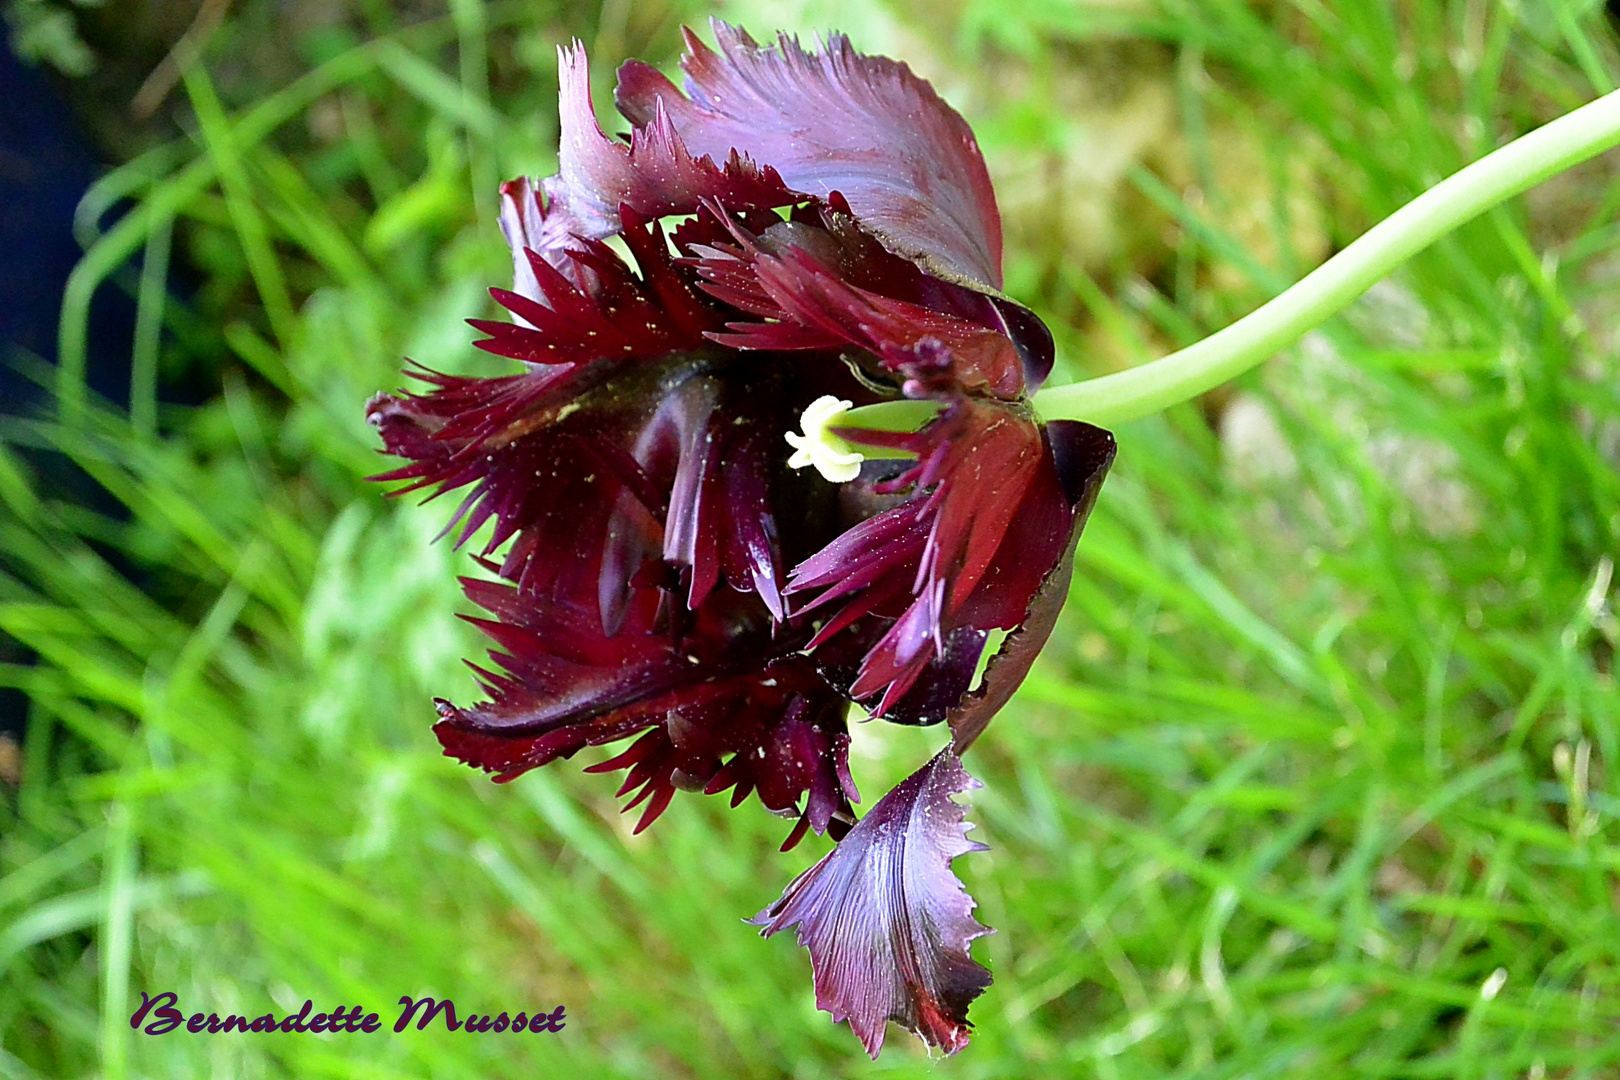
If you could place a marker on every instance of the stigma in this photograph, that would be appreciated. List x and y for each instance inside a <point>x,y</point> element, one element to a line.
<point>832,457</point>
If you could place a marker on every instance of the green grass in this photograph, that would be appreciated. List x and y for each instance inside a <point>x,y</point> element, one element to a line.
<point>1316,778</point>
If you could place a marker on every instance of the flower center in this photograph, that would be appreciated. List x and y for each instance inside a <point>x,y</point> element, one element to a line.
<point>832,456</point>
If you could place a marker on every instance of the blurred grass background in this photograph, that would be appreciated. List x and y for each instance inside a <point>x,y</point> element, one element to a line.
<point>1316,778</point>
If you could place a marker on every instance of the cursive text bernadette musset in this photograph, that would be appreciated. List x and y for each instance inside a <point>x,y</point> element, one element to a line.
<point>161,1016</point>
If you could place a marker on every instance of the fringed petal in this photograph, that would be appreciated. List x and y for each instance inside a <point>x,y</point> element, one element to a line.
<point>726,705</point>
<point>833,120</point>
<point>886,921</point>
<point>810,307</point>
<point>654,174</point>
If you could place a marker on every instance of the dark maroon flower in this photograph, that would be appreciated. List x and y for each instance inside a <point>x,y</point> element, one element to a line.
<point>803,229</point>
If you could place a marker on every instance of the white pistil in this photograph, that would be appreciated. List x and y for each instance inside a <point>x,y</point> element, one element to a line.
<point>832,456</point>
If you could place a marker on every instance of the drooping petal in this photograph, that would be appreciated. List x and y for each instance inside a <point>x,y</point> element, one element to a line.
<point>886,921</point>
<point>833,120</point>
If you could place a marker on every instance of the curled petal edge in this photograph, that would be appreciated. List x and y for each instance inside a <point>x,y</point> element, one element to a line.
<point>1083,455</point>
<point>886,922</point>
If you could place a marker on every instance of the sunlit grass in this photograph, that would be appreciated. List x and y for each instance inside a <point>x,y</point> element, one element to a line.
<point>1315,779</point>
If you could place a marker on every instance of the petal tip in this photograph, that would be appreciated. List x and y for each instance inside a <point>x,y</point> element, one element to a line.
<point>887,924</point>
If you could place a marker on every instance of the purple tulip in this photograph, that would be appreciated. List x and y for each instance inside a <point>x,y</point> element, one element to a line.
<point>801,225</point>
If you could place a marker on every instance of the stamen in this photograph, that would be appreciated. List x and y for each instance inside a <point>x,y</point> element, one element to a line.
<point>832,456</point>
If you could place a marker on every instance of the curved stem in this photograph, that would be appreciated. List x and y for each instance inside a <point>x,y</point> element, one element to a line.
<point>1324,292</point>
<point>1321,294</point>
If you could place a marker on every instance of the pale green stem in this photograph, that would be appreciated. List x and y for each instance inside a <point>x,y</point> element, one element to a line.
<point>149,328</point>
<point>1127,395</point>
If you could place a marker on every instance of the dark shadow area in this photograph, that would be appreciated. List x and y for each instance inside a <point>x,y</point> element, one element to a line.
<point>46,163</point>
